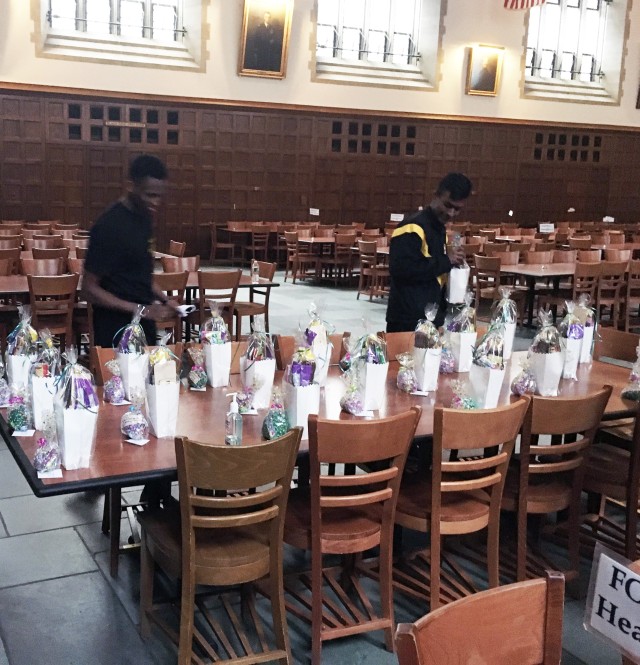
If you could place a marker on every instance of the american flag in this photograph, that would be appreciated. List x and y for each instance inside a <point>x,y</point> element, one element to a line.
<point>522,4</point>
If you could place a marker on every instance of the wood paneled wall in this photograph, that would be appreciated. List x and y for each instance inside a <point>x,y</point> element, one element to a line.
<point>66,158</point>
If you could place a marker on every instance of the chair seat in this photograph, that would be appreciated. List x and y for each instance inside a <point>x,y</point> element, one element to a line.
<point>249,308</point>
<point>544,494</point>
<point>339,526</point>
<point>607,466</point>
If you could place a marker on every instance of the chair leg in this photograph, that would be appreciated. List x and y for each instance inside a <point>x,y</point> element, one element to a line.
<point>521,545</point>
<point>316,609</point>
<point>114,496</point>
<point>187,600</point>
<point>493,551</point>
<point>386,588</point>
<point>436,544</point>
<point>278,611</point>
<point>146,587</point>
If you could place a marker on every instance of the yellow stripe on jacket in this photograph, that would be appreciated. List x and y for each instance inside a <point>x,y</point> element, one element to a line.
<point>424,248</point>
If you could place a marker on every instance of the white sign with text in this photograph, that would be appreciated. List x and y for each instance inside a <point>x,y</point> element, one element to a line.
<point>314,211</point>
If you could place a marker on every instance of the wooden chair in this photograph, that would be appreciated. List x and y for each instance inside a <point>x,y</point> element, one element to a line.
<point>488,280</point>
<point>528,233</point>
<point>65,227</point>
<point>533,257</point>
<point>518,623</point>
<point>400,342</point>
<point>173,285</point>
<point>589,255</point>
<point>10,241</point>
<point>632,297</point>
<point>253,308</point>
<point>180,263</point>
<point>221,286</point>
<point>42,267</point>
<point>374,276</point>
<point>43,242</point>
<point>338,265</point>
<point>177,248</point>
<point>349,514</point>
<point>609,294</point>
<point>75,265</point>
<point>285,345</point>
<point>60,253</point>
<point>547,478</point>
<point>81,251</point>
<point>565,255</point>
<point>80,235</point>
<point>544,246</point>
<point>616,237</point>
<point>301,261</point>
<point>585,281</point>
<point>462,496</point>
<point>12,255</point>
<point>583,242</point>
<point>223,537</point>
<point>39,227</point>
<point>218,247</point>
<point>258,247</point>
<point>617,254</point>
<point>52,301</point>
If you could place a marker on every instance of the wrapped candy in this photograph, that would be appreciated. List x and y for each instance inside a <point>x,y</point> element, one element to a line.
<point>426,335</point>
<point>632,389</point>
<point>215,340</point>
<point>317,337</point>
<point>587,316</point>
<point>546,356</point>
<point>461,398</point>
<point>44,371</point>
<point>458,279</point>
<point>571,329</point>
<point>114,388</point>
<point>132,354</point>
<point>133,339</point>
<point>134,425</point>
<point>21,349</point>
<point>245,399</point>
<point>301,371</point>
<point>301,392</point>
<point>47,457</point>
<point>505,311</point>
<point>525,382</point>
<point>487,368</point>
<point>462,329</point>
<point>76,387</point>
<point>406,379</point>
<point>371,349</point>
<point>258,365</point>
<point>276,422</point>
<point>214,330</point>
<point>427,351</point>
<point>447,361</point>
<point>197,373</point>
<point>48,361</point>
<point>19,413</point>
<point>371,357</point>
<point>352,401</point>
<point>348,343</point>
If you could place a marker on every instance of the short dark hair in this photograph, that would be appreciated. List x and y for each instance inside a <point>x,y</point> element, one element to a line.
<point>147,166</point>
<point>457,184</point>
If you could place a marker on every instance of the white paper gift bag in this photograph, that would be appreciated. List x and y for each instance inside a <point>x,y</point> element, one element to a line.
<point>509,336</point>
<point>571,358</point>
<point>587,343</point>
<point>259,374</point>
<point>322,351</point>
<point>462,345</point>
<point>457,284</point>
<point>427,368</point>
<point>134,368</point>
<point>162,408</point>
<point>18,371</point>
<point>42,393</point>
<point>373,379</point>
<point>486,384</point>
<point>217,359</point>
<point>300,403</point>
<point>547,368</point>
<point>76,430</point>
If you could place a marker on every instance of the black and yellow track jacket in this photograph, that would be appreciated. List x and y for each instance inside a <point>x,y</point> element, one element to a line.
<point>419,267</point>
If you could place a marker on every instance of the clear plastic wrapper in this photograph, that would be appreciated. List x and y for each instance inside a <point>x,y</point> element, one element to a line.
<point>301,370</point>
<point>489,351</point>
<point>352,401</point>
<point>197,373</point>
<point>164,365</point>
<point>133,339</point>
<point>114,388</point>
<point>48,361</point>
<point>134,425</point>
<point>276,422</point>
<point>316,336</point>
<point>44,372</point>
<point>258,365</point>
<point>5,392</point>
<point>47,457</point>
<point>259,343</point>
<point>22,340</point>
<point>505,311</point>
<point>462,398</point>
<point>546,356</point>
<point>587,316</point>
<point>571,330</point>
<point>214,330</point>
<point>77,389</point>
<point>524,382</point>
<point>547,339</point>
<point>406,380</point>
<point>458,278</point>
<point>632,389</point>
<point>571,327</point>
<point>348,343</point>
<point>426,335</point>
<point>465,320</point>
<point>19,412</point>
<point>245,399</point>
<point>447,361</point>
<point>371,349</point>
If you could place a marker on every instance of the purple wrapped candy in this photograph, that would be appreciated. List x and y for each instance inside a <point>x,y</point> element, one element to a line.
<point>47,457</point>
<point>19,414</point>
<point>407,381</point>
<point>447,361</point>
<point>461,398</point>
<point>571,327</point>
<point>114,390</point>
<point>245,399</point>
<point>525,382</point>
<point>134,425</point>
<point>351,401</point>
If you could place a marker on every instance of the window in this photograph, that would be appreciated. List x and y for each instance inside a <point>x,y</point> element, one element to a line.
<point>379,42</point>
<point>576,47</point>
<point>143,32</point>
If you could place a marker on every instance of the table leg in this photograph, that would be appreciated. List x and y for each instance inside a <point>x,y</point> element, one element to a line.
<point>114,498</point>
<point>531,296</point>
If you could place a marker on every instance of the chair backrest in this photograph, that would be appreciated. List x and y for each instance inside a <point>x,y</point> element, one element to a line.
<point>324,232</point>
<point>538,257</point>
<point>177,248</point>
<point>487,273</point>
<point>545,246</point>
<point>209,479</point>
<point>66,227</point>
<point>527,233</point>
<point>43,267</point>
<point>285,345</point>
<point>173,284</point>
<point>75,265</point>
<point>565,255</point>
<point>10,242</point>
<point>10,230</point>
<point>612,280</point>
<point>40,227</point>
<point>59,253</point>
<point>12,255</point>
<point>371,490</point>
<point>221,286</point>
<point>45,242</point>
<point>6,267</point>
<point>259,238</point>
<point>81,251</point>
<point>589,255</point>
<point>398,342</point>
<point>99,355</point>
<point>180,263</point>
<point>52,300</point>
<point>617,254</point>
<point>585,279</point>
<point>368,251</point>
<point>517,623</point>
<point>616,344</point>
<point>616,237</point>
<point>583,242</point>
<point>493,248</point>
<point>509,258</point>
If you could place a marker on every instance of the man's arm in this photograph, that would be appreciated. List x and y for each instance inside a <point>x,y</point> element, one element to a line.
<point>409,265</point>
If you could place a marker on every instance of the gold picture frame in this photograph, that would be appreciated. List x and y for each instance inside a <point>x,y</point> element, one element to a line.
<point>264,40</point>
<point>484,69</point>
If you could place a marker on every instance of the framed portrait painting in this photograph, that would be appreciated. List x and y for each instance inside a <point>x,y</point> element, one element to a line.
<point>264,41</point>
<point>483,70</point>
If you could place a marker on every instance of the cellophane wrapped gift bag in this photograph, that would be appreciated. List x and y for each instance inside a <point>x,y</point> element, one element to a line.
<point>572,332</point>
<point>44,373</point>
<point>546,356</point>
<point>373,366</point>
<point>276,422</point>
<point>632,389</point>
<point>505,311</point>
<point>587,316</point>
<point>524,383</point>
<point>317,337</point>
<point>21,349</point>
<point>351,401</point>
<point>132,355</point>
<point>197,376</point>
<point>113,390</point>
<point>47,457</point>
<point>216,342</point>
<point>163,391</point>
<point>427,351</point>
<point>258,365</point>
<point>458,278</point>
<point>133,425</point>
<point>487,368</point>
<point>406,380</point>
<point>461,396</point>
<point>301,392</point>
<point>19,416</point>
<point>76,410</point>
<point>462,335</point>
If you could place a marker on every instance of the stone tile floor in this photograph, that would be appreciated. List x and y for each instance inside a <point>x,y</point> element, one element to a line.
<point>59,606</point>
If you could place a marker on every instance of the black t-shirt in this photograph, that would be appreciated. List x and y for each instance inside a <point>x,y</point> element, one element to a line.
<point>120,255</point>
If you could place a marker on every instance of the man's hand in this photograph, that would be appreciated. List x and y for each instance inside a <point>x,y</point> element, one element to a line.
<point>159,312</point>
<point>455,254</point>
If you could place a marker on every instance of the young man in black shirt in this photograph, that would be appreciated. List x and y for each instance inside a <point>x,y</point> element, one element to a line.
<point>419,260</point>
<point>118,267</point>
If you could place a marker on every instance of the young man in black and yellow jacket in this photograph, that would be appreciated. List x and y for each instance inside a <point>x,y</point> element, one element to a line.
<point>419,259</point>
